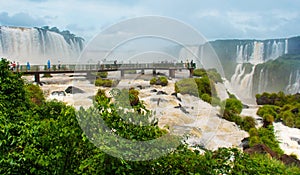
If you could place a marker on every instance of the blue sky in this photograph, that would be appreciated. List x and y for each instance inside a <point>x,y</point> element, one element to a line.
<point>215,19</point>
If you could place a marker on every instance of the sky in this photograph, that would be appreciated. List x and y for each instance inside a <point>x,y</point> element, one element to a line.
<point>214,19</point>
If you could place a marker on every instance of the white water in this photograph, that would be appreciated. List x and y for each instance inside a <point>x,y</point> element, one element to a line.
<point>286,46</point>
<point>36,46</point>
<point>286,136</point>
<point>294,86</point>
<point>241,81</point>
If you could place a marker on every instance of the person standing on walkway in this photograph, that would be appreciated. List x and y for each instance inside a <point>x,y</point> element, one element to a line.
<point>28,66</point>
<point>48,64</point>
<point>18,66</point>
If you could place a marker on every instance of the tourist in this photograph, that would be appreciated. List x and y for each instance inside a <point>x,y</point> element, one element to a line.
<point>28,66</point>
<point>14,66</point>
<point>11,66</point>
<point>18,66</point>
<point>48,64</point>
<point>59,65</point>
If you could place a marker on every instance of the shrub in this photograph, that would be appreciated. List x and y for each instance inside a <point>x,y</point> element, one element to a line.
<point>248,123</point>
<point>205,97</point>
<point>163,81</point>
<point>153,81</point>
<point>269,109</point>
<point>35,94</point>
<point>233,106</point>
<point>199,72</point>
<point>268,119</point>
<point>102,74</point>
<point>104,82</point>
<point>187,86</point>
<point>214,76</point>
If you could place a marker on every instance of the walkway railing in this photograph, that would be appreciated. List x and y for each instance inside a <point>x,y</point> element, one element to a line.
<point>89,67</point>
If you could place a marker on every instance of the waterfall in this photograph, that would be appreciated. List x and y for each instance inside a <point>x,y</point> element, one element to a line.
<point>239,53</point>
<point>246,84</point>
<point>257,56</point>
<point>37,45</point>
<point>263,81</point>
<point>277,50</point>
<point>242,82</point>
<point>260,81</point>
<point>294,86</point>
<point>286,46</point>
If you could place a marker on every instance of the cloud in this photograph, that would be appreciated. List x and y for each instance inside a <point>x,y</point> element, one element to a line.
<point>20,19</point>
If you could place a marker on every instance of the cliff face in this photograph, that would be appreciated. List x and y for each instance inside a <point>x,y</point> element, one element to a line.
<point>255,66</point>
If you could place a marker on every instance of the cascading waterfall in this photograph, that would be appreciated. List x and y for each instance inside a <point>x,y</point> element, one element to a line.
<point>263,81</point>
<point>255,52</point>
<point>37,45</point>
<point>286,46</point>
<point>294,86</point>
<point>258,52</point>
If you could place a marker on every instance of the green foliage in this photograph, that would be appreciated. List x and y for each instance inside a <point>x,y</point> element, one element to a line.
<point>248,123</point>
<point>212,74</point>
<point>205,97</point>
<point>265,136</point>
<point>35,94</point>
<point>196,87</point>
<point>104,82</point>
<point>285,108</point>
<point>233,106</point>
<point>12,93</point>
<point>270,110</point>
<point>102,74</point>
<point>163,81</point>
<point>200,72</point>
<point>153,81</point>
<point>278,99</point>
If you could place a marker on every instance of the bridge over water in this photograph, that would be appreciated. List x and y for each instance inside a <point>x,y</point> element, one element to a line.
<point>36,70</point>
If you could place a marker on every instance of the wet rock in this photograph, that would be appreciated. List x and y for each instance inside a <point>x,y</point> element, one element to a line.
<point>161,93</point>
<point>245,143</point>
<point>153,90</point>
<point>295,110</point>
<point>73,90</point>
<point>156,99</point>
<point>58,93</point>
<point>261,149</point>
<point>161,74</point>
<point>182,109</point>
<point>245,106</point>
<point>290,160</point>
<point>139,86</point>
<point>296,139</point>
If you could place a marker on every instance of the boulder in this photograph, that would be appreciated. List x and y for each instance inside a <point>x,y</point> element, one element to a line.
<point>153,90</point>
<point>161,93</point>
<point>290,160</point>
<point>58,93</point>
<point>73,90</point>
